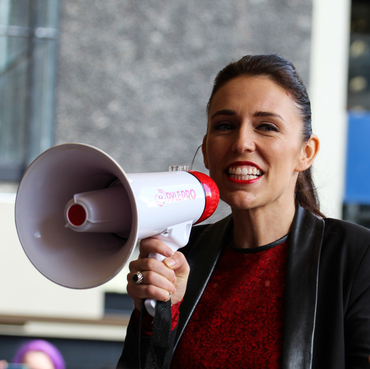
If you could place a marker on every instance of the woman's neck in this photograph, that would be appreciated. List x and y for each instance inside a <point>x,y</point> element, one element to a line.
<point>260,226</point>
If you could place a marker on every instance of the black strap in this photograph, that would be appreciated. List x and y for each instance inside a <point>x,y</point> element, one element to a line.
<point>158,355</point>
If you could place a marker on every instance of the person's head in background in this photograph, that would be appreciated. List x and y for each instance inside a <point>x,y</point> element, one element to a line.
<point>39,354</point>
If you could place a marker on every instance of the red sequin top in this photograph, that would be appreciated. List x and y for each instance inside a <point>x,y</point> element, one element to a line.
<point>238,322</point>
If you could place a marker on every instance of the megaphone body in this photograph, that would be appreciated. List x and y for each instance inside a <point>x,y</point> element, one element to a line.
<point>79,215</point>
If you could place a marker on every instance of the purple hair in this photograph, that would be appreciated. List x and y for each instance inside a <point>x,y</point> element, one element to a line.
<point>42,346</point>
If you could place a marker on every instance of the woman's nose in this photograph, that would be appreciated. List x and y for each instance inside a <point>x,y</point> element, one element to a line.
<point>244,141</point>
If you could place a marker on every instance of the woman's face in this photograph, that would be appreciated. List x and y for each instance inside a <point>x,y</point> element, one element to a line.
<point>38,360</point>
<point>253,147</point>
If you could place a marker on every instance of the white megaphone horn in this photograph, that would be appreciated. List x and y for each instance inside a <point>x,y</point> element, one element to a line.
<point>79,215</point>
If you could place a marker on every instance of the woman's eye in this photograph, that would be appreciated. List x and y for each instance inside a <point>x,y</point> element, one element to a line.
<point>267,127</point>
<point>224,126</point>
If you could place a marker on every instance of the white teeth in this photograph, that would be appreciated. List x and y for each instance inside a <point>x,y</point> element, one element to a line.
<point>244,173</point>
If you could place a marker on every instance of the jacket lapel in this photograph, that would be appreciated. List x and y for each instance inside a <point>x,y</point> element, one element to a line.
<point>301,289</point>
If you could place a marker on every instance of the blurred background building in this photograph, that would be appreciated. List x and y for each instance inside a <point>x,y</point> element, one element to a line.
<point>133,79</point>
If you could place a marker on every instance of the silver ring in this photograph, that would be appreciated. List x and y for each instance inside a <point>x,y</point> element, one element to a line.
<point>138,278</point>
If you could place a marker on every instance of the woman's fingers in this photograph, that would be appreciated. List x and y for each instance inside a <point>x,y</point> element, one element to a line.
<point>153,291</point>
<point>157,281</point>
<point>178,263</point>
<point>180,266</point>
<point>160,279</point>
<point>154,279</point>
<point>154,286</point>
<point>153,265</point>
<point>153,245</point>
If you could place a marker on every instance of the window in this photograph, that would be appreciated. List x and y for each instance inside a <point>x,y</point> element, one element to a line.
<point>28,47</point>
<point>357,188</point>
<point>359,57</point>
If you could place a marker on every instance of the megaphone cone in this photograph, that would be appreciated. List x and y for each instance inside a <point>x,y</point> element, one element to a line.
<point>150,204</point>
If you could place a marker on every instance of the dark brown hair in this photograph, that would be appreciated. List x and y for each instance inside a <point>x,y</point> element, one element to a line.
<point>283,73</point>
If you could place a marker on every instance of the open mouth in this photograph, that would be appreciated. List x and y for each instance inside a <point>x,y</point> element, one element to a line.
<point>244,173</point>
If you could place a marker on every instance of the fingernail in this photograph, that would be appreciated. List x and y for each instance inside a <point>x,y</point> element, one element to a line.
<point>170,262</point>
<point>169,252</point>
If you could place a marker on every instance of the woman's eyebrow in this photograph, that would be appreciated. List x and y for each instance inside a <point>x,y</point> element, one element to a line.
<point>268,114</point>
<point>223,112</point>
<point>257,114</point>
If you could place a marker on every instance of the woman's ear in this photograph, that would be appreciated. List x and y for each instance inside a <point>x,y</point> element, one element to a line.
<point>308,153</point>
<point>204,152</point>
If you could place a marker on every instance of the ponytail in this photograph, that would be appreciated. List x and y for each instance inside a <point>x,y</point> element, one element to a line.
<point>305,193</point>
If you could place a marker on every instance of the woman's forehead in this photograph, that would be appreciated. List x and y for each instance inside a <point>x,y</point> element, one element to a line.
<point>258,92</point>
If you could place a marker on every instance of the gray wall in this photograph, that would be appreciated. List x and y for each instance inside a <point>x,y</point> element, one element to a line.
<point>134,76</point>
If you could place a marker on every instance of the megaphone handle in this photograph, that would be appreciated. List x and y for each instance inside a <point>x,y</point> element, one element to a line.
<point>174,237</point>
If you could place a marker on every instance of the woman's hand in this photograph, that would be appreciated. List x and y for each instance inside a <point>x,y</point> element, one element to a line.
<point>161,280</point>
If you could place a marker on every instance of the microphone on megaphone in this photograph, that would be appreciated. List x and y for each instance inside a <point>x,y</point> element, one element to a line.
<point>79,215</point>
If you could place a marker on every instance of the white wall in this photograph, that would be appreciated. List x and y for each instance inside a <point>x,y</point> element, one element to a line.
<point>328,92</point>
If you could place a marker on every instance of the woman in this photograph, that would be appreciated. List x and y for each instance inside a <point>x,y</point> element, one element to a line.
<point>274,285</point>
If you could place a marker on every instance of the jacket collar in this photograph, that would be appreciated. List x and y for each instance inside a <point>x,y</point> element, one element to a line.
<point>301,282</point>
<point>301,289</point>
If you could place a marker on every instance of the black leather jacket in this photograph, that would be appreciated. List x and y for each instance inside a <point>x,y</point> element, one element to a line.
<point>327,293</point>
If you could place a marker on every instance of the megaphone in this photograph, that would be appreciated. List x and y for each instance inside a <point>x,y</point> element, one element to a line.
<point>79,215</point>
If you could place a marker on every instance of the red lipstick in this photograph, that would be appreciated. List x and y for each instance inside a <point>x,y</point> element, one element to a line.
<point>243,172</point>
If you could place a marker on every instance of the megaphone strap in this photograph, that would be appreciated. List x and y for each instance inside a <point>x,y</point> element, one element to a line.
<point>158,354</point>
